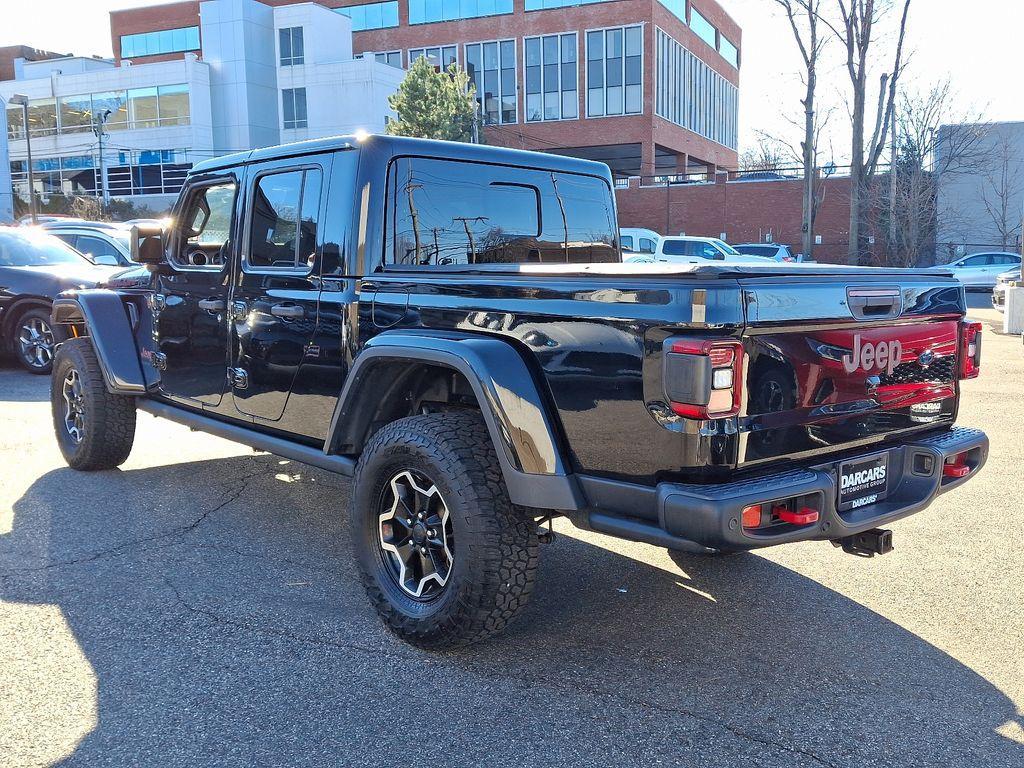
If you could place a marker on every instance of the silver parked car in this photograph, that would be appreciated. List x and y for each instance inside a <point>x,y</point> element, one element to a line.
<point>981,270</point>
<point>1002,283</point>
<point>104,243</point>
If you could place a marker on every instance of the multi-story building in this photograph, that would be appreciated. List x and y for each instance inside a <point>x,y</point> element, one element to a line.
<point>648,86</point>
<point>245,74</point>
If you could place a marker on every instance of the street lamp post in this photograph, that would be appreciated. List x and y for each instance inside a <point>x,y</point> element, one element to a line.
<point>22,99</point>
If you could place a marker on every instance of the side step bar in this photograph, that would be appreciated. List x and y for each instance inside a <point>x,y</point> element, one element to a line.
<point>286,449</point>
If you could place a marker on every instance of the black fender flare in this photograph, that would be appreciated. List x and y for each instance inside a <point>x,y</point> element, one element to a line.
<point>516,414</point>
<point>109,328</point>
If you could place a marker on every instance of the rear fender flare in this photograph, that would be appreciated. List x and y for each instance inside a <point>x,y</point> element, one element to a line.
<point>512,406</point>
<point>109,328</point>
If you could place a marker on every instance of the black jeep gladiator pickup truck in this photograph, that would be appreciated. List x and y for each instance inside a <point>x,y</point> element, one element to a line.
<point>452,326</point>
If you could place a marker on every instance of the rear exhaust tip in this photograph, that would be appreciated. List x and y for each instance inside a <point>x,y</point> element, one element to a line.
<point>877,541</point>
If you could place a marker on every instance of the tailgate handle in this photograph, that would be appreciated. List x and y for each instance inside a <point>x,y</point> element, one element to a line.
<point>874,303</point>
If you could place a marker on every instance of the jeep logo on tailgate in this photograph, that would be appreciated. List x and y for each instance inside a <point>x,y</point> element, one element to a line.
<point>868,357</point>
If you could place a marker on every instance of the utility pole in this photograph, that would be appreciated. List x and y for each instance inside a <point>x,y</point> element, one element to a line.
<point>409,188</point>
<point>22,99</point>
<point>98,125</point>
<point>469,233</point>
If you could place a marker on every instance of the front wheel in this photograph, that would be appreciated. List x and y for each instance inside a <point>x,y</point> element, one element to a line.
<point>94,429</point>
<point>445,557</point>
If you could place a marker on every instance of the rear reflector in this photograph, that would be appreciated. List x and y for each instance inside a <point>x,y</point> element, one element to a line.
<point>752,516</point>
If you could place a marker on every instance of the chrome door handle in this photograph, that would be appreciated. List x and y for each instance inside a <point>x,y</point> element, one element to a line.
<point>212,305</point>
<point>290,311</point>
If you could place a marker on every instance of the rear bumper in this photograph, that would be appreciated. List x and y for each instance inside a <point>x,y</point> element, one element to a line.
<point>703,517</point>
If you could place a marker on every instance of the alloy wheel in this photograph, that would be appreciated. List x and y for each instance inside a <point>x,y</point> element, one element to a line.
<point>415,535</point>
<point>35,340</point>
<point>74,406</point>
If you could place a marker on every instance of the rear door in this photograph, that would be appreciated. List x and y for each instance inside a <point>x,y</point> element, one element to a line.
<point>274,298</point>
<point>835,363</point>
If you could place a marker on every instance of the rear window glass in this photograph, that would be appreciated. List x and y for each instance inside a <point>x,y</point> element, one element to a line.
<point>757,250</point>
<point>449,213</point>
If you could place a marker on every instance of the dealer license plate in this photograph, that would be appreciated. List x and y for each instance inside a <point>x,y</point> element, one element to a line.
<point>863,481</point>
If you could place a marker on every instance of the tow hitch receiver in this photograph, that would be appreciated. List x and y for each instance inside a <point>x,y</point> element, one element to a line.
<point>877,541</point>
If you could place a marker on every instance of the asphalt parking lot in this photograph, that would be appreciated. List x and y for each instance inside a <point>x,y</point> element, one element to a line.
<point>200,607</point>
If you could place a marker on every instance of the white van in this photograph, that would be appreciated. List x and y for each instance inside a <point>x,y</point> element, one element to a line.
<point>636,240</point>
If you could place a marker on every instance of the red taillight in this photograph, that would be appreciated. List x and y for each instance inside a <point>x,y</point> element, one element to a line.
<point>724,386</point>
<point>970,350</point>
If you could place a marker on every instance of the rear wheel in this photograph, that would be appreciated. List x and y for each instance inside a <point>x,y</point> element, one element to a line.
<point>445,558</point>
<point>94,429</point>
<point>33,339</point>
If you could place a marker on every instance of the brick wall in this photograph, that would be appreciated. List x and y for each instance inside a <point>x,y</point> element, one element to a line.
<point>744,210</point>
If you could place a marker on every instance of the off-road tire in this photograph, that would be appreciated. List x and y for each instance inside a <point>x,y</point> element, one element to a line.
<point>109,420</point>
<point>495,548</point>
<point>37,315</point>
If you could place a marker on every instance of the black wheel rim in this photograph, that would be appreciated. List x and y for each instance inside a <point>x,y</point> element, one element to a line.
<point>414,534</point>
<point>35,342</point>
<point>74,406</point>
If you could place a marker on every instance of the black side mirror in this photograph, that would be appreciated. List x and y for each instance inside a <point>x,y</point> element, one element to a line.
<point>148,244</point>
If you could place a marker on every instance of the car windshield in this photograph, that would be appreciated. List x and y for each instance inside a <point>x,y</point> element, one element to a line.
<point>757,250</point>
<point>35,249</point>
<point>725,247</point>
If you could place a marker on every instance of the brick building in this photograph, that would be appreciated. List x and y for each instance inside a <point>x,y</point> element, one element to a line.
<point>745,211</point>
<point>648,86</point>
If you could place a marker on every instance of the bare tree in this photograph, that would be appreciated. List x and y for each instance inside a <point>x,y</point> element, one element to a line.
<point>855,29</point>
<point>929,143</point>
<point>1002,189</point>
<point>767,154</point>
<point>803,21</point>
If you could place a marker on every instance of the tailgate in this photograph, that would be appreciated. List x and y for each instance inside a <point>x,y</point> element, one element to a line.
<point>839,362</point>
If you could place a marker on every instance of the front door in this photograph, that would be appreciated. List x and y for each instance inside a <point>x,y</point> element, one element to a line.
<point>273,303</point>
<point>191,301</point>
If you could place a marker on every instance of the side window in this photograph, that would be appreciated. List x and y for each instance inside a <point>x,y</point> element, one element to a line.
<point>708,251</point>
<point>449,212</point>
<point>646,245</point>
<point>284,216</point>
<point>99,250</point>
<point>204,234</point>
<point>627,242</point>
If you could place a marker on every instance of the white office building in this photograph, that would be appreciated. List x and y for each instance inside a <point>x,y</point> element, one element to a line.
<point>261,76</point>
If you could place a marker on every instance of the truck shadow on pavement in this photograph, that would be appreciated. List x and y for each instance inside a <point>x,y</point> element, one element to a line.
<point>19,386</point>
<point>218,608</point>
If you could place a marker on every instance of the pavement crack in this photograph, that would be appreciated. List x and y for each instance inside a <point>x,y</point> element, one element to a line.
<point>119,549</point>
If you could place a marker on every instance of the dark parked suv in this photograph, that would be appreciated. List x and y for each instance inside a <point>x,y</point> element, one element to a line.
<point>452,326</point>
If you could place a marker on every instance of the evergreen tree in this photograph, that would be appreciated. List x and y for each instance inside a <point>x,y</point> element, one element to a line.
<point>434,105</point>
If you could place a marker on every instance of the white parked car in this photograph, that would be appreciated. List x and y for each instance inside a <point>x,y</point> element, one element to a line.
<point>981,270</point>
<point>684,249</point>
<point>103,243</point>
<point>638,240</point>
<point>773,251</point>
<point>1002,283</point>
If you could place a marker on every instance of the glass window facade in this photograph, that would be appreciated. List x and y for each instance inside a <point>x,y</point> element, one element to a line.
<point>290,47</point>
<point>293,108</point>
<point>431,11</point>
<point>131,173</point>
<point>540,5</point>
<point>164,41</point>
<point>729,51</point>
<point>372,15</point>
<point>615,71</point>
<point>691,94</point>
<point>443,55</point>
<point>492,66</point>
<point>703,28</point>
<point>391,58</point>
<point>137,108</point>
<point>551,77</point>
